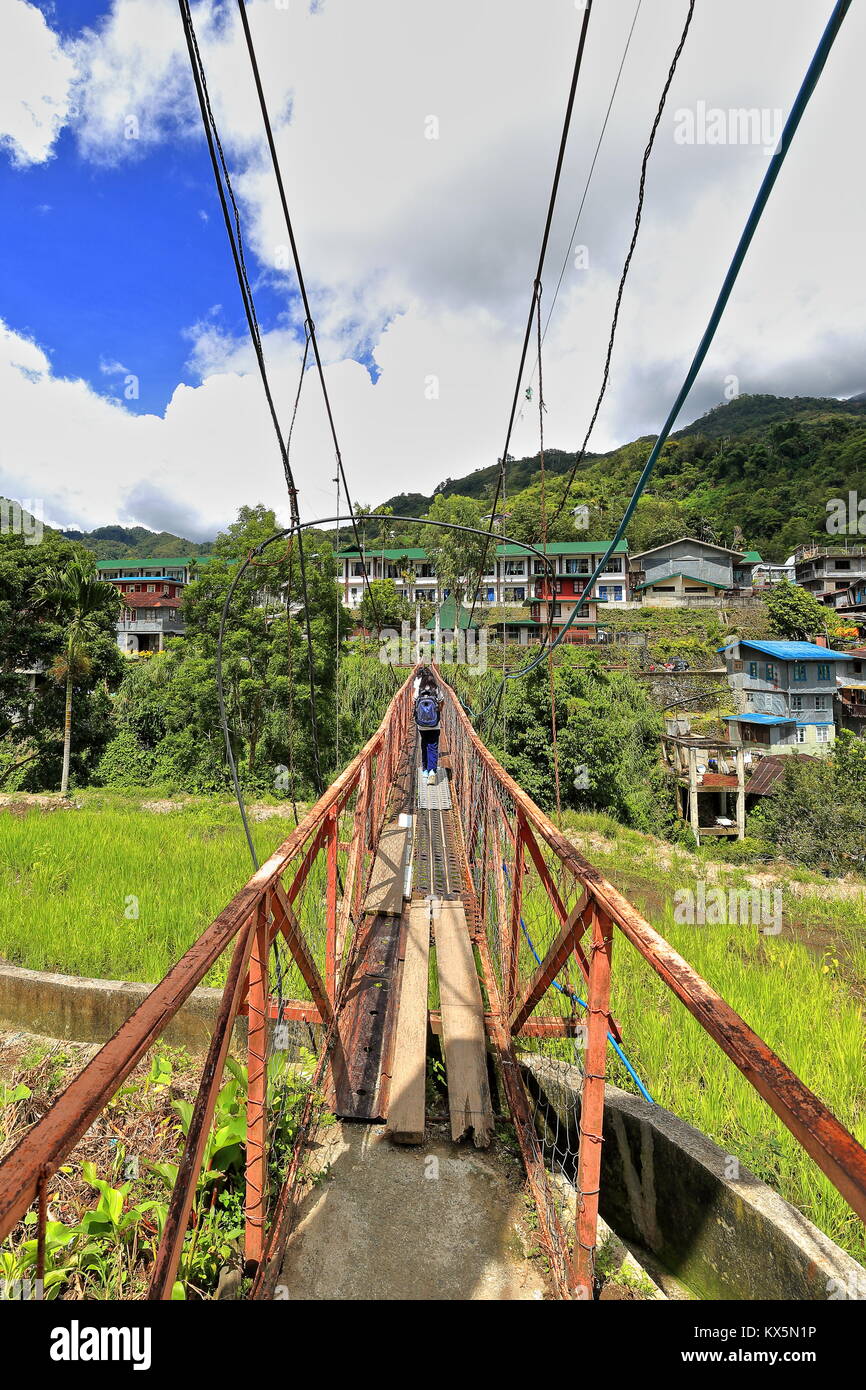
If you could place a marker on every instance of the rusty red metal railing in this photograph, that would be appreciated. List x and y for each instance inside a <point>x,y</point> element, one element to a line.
<point>548,999</point>
<point>283,897</point>
<point>506,836</point>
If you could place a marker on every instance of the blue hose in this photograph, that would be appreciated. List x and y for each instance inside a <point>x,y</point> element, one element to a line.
<point>583,1004</point>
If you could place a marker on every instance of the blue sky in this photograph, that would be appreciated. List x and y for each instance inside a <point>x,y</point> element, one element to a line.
<point>108,265</point>
<point>418,251</point>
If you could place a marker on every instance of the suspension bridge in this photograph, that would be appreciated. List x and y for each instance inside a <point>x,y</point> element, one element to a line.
<point>396,913</point>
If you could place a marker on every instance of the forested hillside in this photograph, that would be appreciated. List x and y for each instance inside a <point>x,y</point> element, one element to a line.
<point>756,473</point>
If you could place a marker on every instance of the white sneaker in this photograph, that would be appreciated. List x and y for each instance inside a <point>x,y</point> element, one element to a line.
<point>431,778</point>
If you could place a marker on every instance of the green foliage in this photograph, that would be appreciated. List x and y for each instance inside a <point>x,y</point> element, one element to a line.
<point>457,556</point>
<point>386,604</point>
<point>57,634</point>
<point>794,613</point>
<point>816,813</point>
<point>606,725</point>
<point>763,467</point>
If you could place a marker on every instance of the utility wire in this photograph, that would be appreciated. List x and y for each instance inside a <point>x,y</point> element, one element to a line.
<point>223,182</point>
<point>536,291</point>
<point>570,246</point>
<point>627,264</point>
<point>305,300</point>
<point>801,101</point>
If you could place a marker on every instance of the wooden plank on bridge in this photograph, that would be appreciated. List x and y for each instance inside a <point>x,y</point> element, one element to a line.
<point>462,1026</point>
<point>385,893</point>
<point>409,1067</point>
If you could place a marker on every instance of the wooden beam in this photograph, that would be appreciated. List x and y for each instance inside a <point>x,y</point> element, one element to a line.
<point>462,1026</point>
<point>409,1071</point>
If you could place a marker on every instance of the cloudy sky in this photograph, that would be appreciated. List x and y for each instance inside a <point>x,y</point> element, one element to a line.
<point>126,384</point>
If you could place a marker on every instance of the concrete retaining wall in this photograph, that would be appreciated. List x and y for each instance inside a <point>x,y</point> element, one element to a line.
<point>70,1006</point>
<point>666,1189</point>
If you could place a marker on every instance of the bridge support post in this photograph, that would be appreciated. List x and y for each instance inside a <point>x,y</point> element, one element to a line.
<point>592,1104</point>
<point>333,836</point>
<point>257,1090</point>
<point>516,912</point>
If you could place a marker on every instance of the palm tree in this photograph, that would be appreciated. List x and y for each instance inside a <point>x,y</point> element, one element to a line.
<point>78,597</point>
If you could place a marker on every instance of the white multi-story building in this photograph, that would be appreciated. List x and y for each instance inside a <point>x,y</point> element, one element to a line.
<point>512,577</point>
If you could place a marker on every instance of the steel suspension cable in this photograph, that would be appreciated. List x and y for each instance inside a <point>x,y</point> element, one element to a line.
<point>801,101</point>
<point>223,182</point>
<point>536,290</point>
<point>302,288</point>
<point>627,263</point>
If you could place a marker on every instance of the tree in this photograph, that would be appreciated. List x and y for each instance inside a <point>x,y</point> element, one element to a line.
<point>387,602</point>
<point>816,812</point>
<point>171,705</point>
<point>457,556</point>
<point>795,613</point>
<point>82,602</point>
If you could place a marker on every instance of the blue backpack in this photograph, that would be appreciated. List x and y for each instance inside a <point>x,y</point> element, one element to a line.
<point>426,712</point>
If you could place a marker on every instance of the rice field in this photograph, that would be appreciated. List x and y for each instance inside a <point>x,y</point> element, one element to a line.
<point>802,991</point>
<point>116,891</point>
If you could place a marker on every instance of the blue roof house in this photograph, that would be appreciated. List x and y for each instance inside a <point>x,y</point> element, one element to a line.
<point>783,694</point>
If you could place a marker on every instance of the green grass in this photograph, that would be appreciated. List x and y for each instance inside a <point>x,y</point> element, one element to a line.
<point>68,877</point>
<point>802,992</point>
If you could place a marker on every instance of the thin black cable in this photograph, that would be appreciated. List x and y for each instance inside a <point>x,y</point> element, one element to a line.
<point>583,198</point>
<point>221,174</point>
<point>627,264</point>
<point>306,303</point>
<point>536,290</point>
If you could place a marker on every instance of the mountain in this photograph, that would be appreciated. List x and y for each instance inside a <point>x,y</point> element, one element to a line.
<point>756,472</point>
<point>136,543</point>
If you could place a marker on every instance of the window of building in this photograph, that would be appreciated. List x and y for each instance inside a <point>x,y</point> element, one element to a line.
<point>770,672</point>
<point>823,670</point>
<point>570,567</point>
<point>796,702</point>
<point>614,565</point>
<point>151,588</point>
<point>514,567</point>
<point>820,701</point>
<point>753,670</point>
<point>801,734</point>
<point>799,670</point>
<point>557,610</point>
<point>617,593</point>
<point>823,732</point>
<point>514,595</point>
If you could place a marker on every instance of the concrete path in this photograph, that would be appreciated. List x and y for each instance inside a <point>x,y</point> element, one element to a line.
<point>436,1222</point>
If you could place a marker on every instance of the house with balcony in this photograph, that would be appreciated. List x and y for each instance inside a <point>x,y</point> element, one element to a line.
<point>783,694</point>
<point>123,571</point>
<point>829,571</point>
<point>146,619</point>
<point>553,598</point>
<point>408,566</point>
<point>688,572</point>
<point>152,594</point>
<point>513,579</point>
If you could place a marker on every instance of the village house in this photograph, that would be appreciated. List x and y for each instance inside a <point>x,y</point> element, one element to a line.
<point>689,572</point>
<point>152,593</point>
<point>783,694</point>
<point>515,580</point>
<point>828,571</point>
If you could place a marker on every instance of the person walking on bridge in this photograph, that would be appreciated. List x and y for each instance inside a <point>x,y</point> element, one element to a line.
<point>428,705</point>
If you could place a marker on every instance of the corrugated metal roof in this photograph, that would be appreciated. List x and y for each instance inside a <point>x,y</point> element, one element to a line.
<point>759,718</point>
<point>768,772</point>
<point>680,574</point>
<point>790,651</point>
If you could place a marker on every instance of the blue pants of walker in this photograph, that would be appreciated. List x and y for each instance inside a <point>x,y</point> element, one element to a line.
<point>430,750</point>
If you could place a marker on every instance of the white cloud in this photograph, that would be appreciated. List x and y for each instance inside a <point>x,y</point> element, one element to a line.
<point>421,252</point>
<point>35,80</point>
